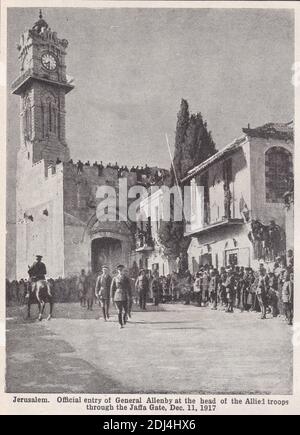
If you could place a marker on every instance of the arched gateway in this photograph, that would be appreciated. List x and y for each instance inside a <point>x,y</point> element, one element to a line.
<point>111,244</point>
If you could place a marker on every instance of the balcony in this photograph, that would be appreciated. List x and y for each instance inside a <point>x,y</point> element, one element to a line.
<point>143,241</point>
<point>206,224</point>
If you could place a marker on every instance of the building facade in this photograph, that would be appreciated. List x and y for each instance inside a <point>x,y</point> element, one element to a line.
<point>237,205</point>
<point>150,251</point>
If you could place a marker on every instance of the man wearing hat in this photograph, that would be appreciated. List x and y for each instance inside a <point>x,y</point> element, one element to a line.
<point>261,291</point>
<point>142,288</point>
<point>102,291</point>
<point>82,287</point>
<point>230,287</point>
<point>120,292</point>
<point>37,272</point>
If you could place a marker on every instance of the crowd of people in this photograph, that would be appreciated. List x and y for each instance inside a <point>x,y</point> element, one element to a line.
<point>142,172</point>
<point>268,291</point>
<point>241,288</point>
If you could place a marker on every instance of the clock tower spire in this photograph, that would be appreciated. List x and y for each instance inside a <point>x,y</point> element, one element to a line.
<point>42,85</point>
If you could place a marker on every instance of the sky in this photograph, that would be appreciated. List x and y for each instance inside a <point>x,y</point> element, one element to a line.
<point>132,67</point>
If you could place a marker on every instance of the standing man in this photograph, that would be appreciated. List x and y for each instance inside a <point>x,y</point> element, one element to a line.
<point>287,297</point>
<point>197,289</point>
<point>261,291</point>
<point>156,288</point>
<point>229,286</point>
<point>205,287</point>
<point>102,291</point>
<point>90,294</point>
<point>213,288</point>
<point>222,288</point>
<point>142,287</point>
<point>120,293</point>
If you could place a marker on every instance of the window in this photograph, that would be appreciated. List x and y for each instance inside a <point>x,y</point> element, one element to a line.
<point>231,257</point>
<point>278,167</point>
<point>49,115</point>
<point>227,171</point>
<point>204,183</point>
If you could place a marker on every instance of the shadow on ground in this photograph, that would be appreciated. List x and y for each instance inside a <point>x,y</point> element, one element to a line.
<point>52,368</point>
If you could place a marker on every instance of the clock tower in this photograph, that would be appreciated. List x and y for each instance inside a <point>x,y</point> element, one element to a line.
<point>42,86</point>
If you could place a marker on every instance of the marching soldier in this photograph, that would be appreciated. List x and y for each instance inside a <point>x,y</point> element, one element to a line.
<point>120,292</point>
<point>142,287</point>
<point>102,291</point>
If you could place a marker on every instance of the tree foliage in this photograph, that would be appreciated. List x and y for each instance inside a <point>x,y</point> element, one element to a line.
<point>193,145</point>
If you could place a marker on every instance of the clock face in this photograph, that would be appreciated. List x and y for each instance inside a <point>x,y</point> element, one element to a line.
<point>49,61</point>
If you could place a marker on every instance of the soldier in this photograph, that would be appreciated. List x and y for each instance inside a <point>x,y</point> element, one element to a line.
<point>229,286</point>
<point>205,287</point>
<point>222,288</point>
<point>156,288</point>
<point>38,272</point>
<point>120,292</point>
<point>198,289</point>
<point>213,288</point>
<point>287,296</point>
<point>90,294</point>
<point>142,287</point>
<point>82,287</point>
<point>261,291</point>
<point>102,291</point>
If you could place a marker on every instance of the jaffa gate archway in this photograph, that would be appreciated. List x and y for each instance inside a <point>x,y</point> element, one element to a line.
<point>105,251</point>
<point>111,244</point>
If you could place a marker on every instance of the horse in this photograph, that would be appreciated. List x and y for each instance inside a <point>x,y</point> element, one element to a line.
<point>40,293</point>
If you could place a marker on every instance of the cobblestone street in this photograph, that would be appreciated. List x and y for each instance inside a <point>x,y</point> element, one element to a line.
<point>175,349</point>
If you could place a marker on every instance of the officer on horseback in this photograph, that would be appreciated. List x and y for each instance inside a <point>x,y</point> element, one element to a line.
<point>37,272</point>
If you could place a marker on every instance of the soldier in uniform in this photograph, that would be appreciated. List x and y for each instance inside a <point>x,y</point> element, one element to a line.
<point>120,293</point>
<point>82,287</point>
<point>37,272</point>
<point>102,291</point>
<point>230,287</point>
<point>142,286</point>
<point>261,291</point>
<point>90,294</point>
<point>213,288</point>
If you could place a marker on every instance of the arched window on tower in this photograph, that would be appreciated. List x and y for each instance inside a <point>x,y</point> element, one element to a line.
<point>54,119</point>
<point>278,167</point>
<point>49,114</point>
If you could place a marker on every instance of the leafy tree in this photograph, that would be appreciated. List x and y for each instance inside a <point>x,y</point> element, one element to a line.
<point>171,236</point>
<point>183,117</point>
<point>193,145</point>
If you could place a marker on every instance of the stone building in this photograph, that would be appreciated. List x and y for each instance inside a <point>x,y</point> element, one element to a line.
<point>237,205</point>
<point>150,250</point>
<point>56,199</point>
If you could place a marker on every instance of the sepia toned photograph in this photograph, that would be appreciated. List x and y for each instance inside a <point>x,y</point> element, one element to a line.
<point>150,200</point>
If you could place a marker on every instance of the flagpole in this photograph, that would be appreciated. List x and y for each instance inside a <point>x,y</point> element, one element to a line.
<point>174,170</point>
